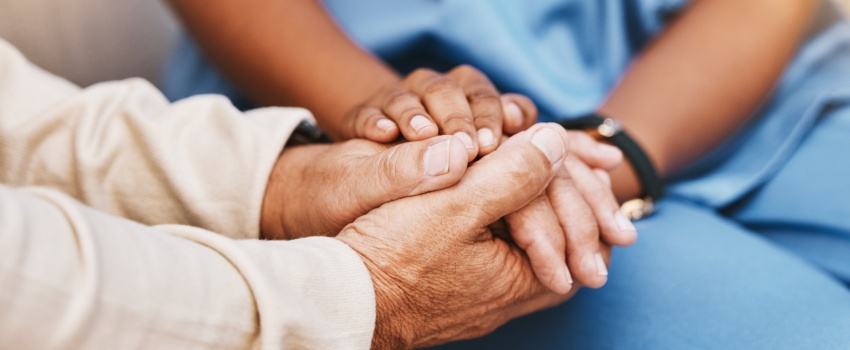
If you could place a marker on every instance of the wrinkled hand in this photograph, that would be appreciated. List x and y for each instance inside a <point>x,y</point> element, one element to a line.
<point>576,220</point>
<point>438,271</point>
<point>318,189</point>
<point>462,102</point>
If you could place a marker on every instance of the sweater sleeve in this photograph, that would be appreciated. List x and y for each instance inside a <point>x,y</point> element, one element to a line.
<point>76,278</point>
<point>122,148</point>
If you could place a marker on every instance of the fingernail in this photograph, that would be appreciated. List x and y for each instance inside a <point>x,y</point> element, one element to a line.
<point>601,269</point>
<point>566,284</point>
<point>513,113</point>
<point>384,124</point>
<point>607,151</point>
<point>437,158</point>
<point>567,276</point>
<point>485,137</point>
<point>419,122</point>
<point>464,137</point>
<point>623,222</point>
<point>550,143</point>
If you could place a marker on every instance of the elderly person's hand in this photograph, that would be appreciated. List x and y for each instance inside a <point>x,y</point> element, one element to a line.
<point>318,189</point>
<point>439,273</point>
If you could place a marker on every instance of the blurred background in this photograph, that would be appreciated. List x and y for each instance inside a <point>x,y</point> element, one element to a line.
<point>87,41</point>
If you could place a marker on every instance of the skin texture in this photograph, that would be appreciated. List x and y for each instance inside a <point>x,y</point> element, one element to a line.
<point>439,272</point>
<point>685,93</point>
<point>287,53</point>
<point>254,50</point>
<point>427,103</point>
<point>318,189</point>
<point>703,77</point>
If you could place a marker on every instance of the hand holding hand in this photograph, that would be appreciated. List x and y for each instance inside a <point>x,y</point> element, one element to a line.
<point>576,220</point>
<point>318,189</point>
<point>439,273</point>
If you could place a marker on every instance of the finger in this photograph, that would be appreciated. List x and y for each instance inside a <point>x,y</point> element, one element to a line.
<point>503,181</point>
<point>594,153</point>
<point>543,299</point>
<point>536,230</point>
<point>370,123</point>
<point>406,110</point>
<point>615,228</point>
<point>447,104</point>
<point>406,169</point>
<point>520,113</point>
<point>582,234</point>
<point>485,103</point>
<point>539,302</point>
<point>603,176</point>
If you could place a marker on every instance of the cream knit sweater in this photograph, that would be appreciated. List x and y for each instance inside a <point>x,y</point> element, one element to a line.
<point>128,222</point>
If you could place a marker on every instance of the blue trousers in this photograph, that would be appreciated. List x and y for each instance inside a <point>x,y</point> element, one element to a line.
<point>769,272</point>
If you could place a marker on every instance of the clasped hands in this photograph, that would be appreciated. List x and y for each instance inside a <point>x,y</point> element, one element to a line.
<point>426,222</point>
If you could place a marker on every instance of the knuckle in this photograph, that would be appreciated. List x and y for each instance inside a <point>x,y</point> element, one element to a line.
<point>487,115</point>
<point>484,95</point>
<point>421,72</point>
<point>419,79</point>
<point>466,69</point>
<point>456,120</point>
<point>442,85</point>
<point>400,97</point>
<point>410,112</point>
<point>392,172</point>
<point>523,169</point>
<point>488,118</point>
<point>359,117</point>
<point>365,113</point>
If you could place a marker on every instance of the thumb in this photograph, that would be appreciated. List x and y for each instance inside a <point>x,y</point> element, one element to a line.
<point>407,169</point>
<point>503,181</point>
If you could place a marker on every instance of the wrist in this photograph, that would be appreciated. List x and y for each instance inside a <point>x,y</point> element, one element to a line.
<point>279,219</point>
<point>391,331</point>
<point>641,170</point>
<point>625,183</point>
<point>394,324</point>
<point>271,226</point>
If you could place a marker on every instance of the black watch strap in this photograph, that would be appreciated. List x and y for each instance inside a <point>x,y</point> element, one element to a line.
<point>612,131</point>
<point>306,133</point>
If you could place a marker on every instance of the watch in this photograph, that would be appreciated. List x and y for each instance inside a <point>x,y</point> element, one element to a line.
<point>306,133</point>
<point>611,130</point>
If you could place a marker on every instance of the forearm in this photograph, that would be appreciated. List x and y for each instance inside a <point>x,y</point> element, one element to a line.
<point>286,53</point>
<point>122,148</point>
<point>701,79</point>
<point>76,278</point>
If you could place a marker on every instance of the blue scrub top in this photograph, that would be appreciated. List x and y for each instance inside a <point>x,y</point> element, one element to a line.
<point>567,55</point>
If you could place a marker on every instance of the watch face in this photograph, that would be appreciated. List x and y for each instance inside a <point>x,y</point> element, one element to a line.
<point>638,208</point>
<point>609,127</point>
